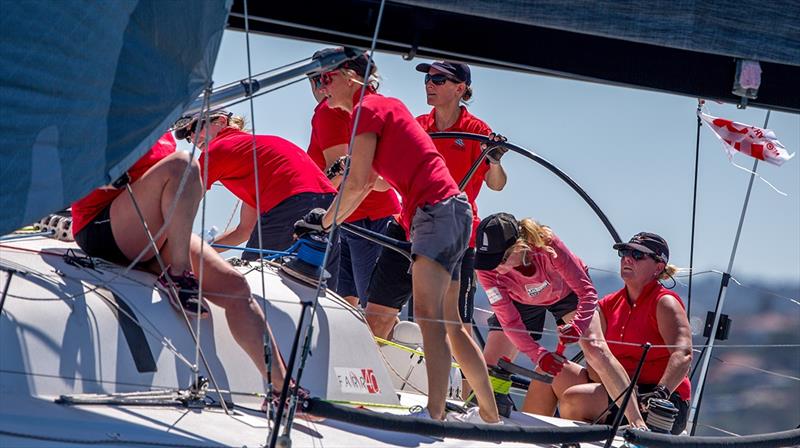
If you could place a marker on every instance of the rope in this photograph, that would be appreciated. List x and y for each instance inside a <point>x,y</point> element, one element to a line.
<point>268,355</point>
<point>334,225</point>
<point>694,207</point>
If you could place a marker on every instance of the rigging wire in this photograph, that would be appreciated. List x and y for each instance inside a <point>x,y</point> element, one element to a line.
<point>266,339</point>
<point>694,206</point>
<point>698,396</point>
<point>334,225</point>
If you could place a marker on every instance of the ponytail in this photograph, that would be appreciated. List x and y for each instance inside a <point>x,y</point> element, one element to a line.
<point>535,235</point>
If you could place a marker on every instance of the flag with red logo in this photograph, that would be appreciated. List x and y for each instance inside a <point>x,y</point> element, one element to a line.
<point>751,140</point>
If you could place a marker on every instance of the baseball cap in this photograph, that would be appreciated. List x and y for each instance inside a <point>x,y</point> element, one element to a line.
<point>358,64</point>
<point>649,243</point>
<point>457,70</point>
<point>495,234</point>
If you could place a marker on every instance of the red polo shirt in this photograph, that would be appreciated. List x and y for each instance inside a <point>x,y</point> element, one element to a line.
<point>84,210</point>
<point>638,323</point>
<point>284,169</point>
<point>459,155</point>
<point>405,155</point>
<point>330,126</point>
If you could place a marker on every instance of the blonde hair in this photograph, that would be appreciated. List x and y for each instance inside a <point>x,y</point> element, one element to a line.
<point>237,122</point>
<point>535,235</point>
<point>467,95</point>
<point>669,271</point>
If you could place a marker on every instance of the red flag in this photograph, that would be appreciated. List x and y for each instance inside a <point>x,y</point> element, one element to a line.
<point>753,141</point>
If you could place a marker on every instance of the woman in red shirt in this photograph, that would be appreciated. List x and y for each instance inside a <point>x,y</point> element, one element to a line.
<point>330,135</point>
<point>389,143</point>
<point>642,311</point>
<point>289,183</point>
<point>106,225</point>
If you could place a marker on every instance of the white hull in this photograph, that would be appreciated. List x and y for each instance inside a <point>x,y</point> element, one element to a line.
<point>57,341</point>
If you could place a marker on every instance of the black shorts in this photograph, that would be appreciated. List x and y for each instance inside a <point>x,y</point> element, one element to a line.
<point>681,404</point>
<point>390,283</point>
<point>466,294</point>
<point>533,315</point>
<point>97,240</point>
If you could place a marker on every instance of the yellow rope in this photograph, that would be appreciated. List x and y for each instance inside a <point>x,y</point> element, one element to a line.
<point>419,353</point>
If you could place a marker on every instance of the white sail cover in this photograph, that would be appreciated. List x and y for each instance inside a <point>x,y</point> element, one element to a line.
<point>87,87</point>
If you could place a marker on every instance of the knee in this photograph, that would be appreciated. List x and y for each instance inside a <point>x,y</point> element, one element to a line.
<point>236,294</point>
<point>597,352</point>
<point>569,405</point>
<point>180,162</point>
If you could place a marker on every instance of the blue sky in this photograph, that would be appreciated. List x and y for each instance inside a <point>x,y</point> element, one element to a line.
<point>631,150</point>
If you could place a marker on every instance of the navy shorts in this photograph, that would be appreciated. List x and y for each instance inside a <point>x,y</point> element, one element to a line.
<point>358,258</point>
<point>277,229</point>
<point>390,283</point>
<point>533,315</point>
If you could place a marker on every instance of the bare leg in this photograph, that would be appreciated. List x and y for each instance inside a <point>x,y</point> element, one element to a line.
<point>583,402</point>
<point>469,356</point>
<point>542,398</point>
<point>224,286</point>
<point>430,283</point>
<point>155,192</point>
<point>497,346</point>
<point>352,300</point>
<point>381,319</point>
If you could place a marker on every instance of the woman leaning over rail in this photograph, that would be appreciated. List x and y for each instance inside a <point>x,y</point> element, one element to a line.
<point>527,271</point>
<point>642,311</point>
<point>389,143</point>
<point>289,183</point>
<point>107,225</point>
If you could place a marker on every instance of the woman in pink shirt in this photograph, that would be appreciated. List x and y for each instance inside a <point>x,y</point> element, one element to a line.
<point>527,270</point>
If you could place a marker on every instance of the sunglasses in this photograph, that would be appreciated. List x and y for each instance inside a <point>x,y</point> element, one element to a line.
<point>439,79</point>
<point>327,78</point>
<point>636,254</point>
<point>316,81</point>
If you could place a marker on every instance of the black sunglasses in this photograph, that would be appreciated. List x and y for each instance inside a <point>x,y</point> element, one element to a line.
<point>636,254</point>
<point>439,79</point>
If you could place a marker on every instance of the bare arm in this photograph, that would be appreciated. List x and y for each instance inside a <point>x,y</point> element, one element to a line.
<point>360,181</point>
<point>605,365</point>
<point>247,221</point>
<point>496,177</point>
<point>673,325</point>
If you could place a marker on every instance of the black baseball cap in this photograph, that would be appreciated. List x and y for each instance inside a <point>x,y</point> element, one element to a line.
<point>649,243</point>
<point>358,64</point>
<point>495,234</point>
<point>457,70</point>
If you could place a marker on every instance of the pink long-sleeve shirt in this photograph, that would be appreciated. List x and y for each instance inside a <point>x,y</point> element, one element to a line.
<point>553,278</point>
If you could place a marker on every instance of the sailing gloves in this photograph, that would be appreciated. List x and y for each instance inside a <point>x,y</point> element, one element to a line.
<point>337,169</point>
<point>497,152</point>
<point>660,391</point>
<point>310,223</point>
<point>551,363</point>
<point>568,334</point>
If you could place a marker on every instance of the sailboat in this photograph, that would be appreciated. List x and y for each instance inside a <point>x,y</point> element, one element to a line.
<point>93,354</point>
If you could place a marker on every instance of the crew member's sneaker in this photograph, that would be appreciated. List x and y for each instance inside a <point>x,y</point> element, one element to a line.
<point>187,288</point>
<point>471,416</point>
